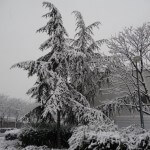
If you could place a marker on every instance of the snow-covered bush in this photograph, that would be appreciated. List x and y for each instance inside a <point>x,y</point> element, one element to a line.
<point>84,136</point>
<point>45,136</point>
<point>135,137</point>
<point>3,130</point>
<point>12,134</point>
<point>102,138</point>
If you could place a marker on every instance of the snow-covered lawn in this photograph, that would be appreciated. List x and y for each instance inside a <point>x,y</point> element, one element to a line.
<point>9,145</point>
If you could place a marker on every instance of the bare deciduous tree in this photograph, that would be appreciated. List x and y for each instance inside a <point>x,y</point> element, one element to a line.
<point>126,48</point>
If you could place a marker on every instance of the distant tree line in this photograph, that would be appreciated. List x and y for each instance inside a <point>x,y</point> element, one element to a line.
<point>12,109</point>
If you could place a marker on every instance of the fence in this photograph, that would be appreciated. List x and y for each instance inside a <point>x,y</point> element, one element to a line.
<point>10,123</point>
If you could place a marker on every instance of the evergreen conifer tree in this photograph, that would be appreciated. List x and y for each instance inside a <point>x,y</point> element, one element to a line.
<point>85,75</point>
<point>52,89</point>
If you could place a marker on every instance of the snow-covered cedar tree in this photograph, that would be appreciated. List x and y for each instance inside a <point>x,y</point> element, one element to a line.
<point>83,72</point>
<point>125,48</point>
<point>52,90</point>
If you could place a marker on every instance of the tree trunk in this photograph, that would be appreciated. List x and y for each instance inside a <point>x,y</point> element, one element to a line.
<point>58,130</point>
<point>16,120</point>
<point>140,102</point>
<point>1,122</point>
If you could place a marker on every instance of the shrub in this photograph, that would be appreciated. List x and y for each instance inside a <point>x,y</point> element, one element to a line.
<point>10,137</point>
<point>12,134</point>
<point>135,137</point>
<point>45,135</point>
<point>93,137</point>
<point>3,130</point>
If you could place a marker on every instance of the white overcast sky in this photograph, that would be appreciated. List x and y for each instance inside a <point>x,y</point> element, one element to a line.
<point>19,20</point>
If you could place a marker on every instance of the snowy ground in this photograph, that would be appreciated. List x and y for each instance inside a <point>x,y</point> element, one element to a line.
<point>9,145</point>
